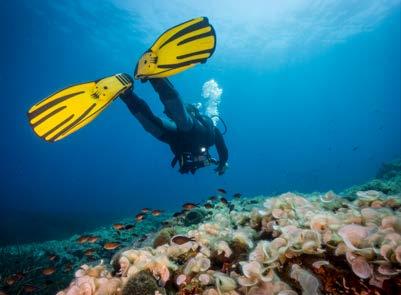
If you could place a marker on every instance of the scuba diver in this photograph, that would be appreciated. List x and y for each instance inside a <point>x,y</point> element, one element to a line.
<point>188,133</point>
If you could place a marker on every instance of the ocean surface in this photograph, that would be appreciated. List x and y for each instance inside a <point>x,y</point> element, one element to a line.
<point>310,93</point>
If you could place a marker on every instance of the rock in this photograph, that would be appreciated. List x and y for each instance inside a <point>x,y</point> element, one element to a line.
<point>194,216</point>
<point>142,283</point>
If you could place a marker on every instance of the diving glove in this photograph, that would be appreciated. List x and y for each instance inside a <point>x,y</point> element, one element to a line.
<point>221,169</point>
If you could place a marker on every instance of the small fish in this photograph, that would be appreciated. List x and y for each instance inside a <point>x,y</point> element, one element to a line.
<point>118,226</point>
<point>222,190</point>
<point>11,280</point>
<point>213,198</point>
<point>145,210</point>
<point>355,148</point>
<point>111,245</point>
<point>237,195</point>
<point>156,212</point>
<point>189,206</point>
<point>224,201</point>
<point>89,252</point>
<point>52,257</point>
<point>139,216</point>
<point>181,240</point>
<point>29,288</point>
<point>82,239</point>
<point>128,226</point>
<point>48,271</point>
<point>208,206</point>
<point>231,207</point>
<point>92,239</point>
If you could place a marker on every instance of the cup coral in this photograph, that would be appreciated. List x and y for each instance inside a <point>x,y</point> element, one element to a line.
<point>197,264</point>
<point>253,274</point>
<point>308,282</point>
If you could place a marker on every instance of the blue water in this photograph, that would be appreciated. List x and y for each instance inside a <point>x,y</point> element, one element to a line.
<point>311,97</point>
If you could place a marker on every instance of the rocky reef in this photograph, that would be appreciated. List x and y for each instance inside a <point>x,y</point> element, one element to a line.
<point>388,180</point>
<point>327,243</point>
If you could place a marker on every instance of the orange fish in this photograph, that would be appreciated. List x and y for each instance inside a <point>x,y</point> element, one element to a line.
<point>145,210</point>
<point>89,252</point>
<point>111,245</point>
<point>140,216</point>
<point>83,239</point>
<point>156,212</point>
<point>48,271</point>
<point>10,280</point>
<point>118,226</point>
<point>92,239</point>
<point>189,206</point>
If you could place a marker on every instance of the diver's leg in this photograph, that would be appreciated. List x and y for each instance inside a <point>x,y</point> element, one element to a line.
<point>173,104</point>
<point>154,125</point>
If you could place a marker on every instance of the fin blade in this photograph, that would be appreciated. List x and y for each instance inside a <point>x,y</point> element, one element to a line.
<point>70,109</point>
<point>174,30</point>
<point>178,49</point>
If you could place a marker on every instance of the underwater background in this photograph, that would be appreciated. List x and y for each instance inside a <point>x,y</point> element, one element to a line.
<point>310,94</point>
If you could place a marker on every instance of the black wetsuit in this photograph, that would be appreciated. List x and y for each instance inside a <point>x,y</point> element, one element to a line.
<point>188,134</point>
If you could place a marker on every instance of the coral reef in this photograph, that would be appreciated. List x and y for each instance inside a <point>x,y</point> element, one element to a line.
<point>310,249</point>
<point>389,170</point>
<point>323,243</point>
<point>388,180</point>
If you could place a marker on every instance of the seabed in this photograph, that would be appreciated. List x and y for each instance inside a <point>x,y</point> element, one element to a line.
<point>293,243</point>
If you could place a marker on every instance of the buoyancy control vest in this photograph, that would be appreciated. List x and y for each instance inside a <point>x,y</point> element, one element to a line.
<point>191,148</point>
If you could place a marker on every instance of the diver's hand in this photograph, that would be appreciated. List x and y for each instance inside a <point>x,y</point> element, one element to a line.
<point>221,169</point>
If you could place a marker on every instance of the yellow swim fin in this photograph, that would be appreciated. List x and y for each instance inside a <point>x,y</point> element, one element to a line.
<point>178,49</point>
<point>68,110</point>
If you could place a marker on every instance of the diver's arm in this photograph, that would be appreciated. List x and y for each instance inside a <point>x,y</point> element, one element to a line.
<point>222,151</point>
<point>173,104</point>
<point>161,129</point>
